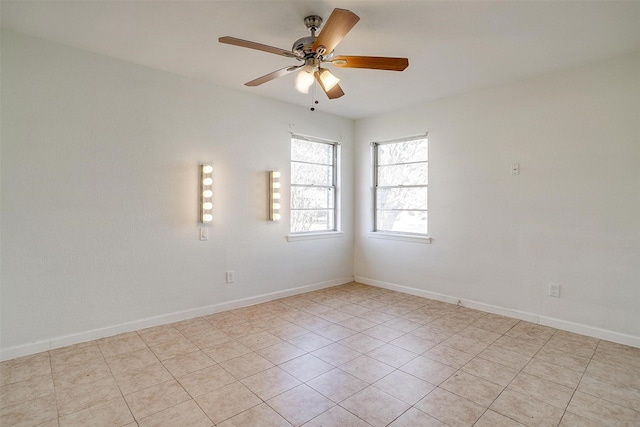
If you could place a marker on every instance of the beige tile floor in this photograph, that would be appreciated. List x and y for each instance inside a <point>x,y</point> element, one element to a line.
<point>351,355</point>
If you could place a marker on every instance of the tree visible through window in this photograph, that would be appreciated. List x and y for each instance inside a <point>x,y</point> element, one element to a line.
<point>400,181</point>
<point>313,185</point>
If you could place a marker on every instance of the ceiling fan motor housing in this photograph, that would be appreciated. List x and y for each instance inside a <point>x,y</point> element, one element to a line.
<point>303,47</point>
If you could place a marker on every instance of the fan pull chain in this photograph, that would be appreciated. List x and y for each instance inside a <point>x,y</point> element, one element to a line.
<point>313,96</point>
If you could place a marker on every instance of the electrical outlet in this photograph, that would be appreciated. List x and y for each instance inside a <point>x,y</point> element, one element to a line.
<point>229,276</point>
<point>554,290</point>
<point>204,234</point>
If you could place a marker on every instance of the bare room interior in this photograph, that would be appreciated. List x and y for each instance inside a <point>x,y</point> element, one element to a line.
<point>169,257</point>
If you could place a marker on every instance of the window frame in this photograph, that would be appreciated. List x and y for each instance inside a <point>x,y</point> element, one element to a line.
<point>335,177</point>
<point>376,232</point>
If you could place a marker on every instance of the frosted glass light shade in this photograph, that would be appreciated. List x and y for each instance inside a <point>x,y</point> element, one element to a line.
<point>328,80</point>
<point>304,79</point>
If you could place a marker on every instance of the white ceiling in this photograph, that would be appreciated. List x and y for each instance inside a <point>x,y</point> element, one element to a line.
<point>453,46</point>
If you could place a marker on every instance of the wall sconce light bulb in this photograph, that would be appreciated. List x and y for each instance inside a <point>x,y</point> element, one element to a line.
<point>207,181</point>
<point>276,185</point>
<point>276,174</point>
<point>207,193</point>
<point>276,216</point>
<point>207,218</point>
<point>207,169</point>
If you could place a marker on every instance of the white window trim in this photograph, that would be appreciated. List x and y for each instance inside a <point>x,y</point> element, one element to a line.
<point>385,234</point>
<point>400,237</point>
<point>337,222</point>
<point>313,236</point>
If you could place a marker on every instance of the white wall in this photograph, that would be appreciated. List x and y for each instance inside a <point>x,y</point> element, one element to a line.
<point>572,216</point>
<point>100,206</point>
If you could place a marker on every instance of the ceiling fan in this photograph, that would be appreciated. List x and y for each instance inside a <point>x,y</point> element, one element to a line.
<point>314,52</point>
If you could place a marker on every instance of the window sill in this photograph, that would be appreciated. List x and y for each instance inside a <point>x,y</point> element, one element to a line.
<point>313,236</point>
<point>400,237</point>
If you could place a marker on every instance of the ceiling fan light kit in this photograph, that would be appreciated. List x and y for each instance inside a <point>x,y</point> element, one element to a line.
<point>315,51</point>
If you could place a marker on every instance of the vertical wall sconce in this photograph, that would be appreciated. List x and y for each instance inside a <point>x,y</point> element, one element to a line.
<point>206,193</point>
<point>274,196</point>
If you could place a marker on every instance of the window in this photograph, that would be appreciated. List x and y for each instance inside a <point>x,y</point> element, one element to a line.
<point>314,187</point>
<point>400,178</point>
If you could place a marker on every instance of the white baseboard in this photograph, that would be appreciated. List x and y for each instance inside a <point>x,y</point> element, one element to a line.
<point>564,325</point>
<point>63,341</point>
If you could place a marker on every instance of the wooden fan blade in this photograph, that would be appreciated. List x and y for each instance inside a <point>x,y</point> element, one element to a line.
<point>340,22</point>
<point>334,92</point>
<point>371,62</point>
<point>272,76</point>
<point>257,46</point>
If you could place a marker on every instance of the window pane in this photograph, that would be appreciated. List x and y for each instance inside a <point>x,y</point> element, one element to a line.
<point>312,198</point>
<point>313,152</point>
<point>401,198</point>
<point>312,220</point>
<point>402,152</point>
<point>313,186</point>
<point>304,173</point>
<point>402,221</point>
<point>409,174</point>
